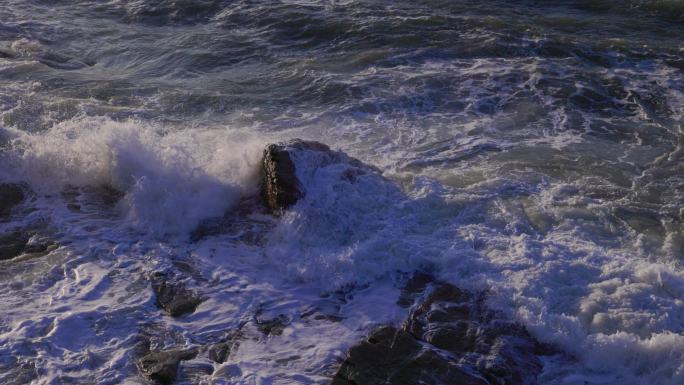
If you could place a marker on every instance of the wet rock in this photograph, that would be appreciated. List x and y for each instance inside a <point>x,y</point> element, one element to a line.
<point>91,198</point>
<point>105,194</point>
<point>450,337</point>
<point>280,187</point>
<point>173,296</point>
<point>393,356</point>
<point>21,242</point>
<point>162,366</point>
<point>10,196</point>
<point>12,244</point>
<point>459,322</point>
<point>272,326</point>
<point>413,288</point>
<point>245,223</point>
<point>17,371</point>
<point>328,309</point>
<point>220,351</point>
<point>195,372</point>
<point>7,54</point>
<point>229,372</point>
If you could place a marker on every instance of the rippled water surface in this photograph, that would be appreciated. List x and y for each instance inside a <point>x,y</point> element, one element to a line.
<point>534,149</point>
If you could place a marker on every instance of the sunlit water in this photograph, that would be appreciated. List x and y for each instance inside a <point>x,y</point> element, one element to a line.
<point>532,149</point>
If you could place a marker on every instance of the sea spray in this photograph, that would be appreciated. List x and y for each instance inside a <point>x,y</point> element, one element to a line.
<point>170,180</point>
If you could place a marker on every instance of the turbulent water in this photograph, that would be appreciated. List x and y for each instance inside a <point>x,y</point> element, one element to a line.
<point>533,149</point>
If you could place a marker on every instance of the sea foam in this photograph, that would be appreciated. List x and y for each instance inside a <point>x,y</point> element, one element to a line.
<point>171,180</point>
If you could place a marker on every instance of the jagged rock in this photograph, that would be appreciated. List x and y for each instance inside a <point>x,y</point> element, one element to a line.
<point>459,322</point>
<point>162,366</point>
<point>173,296</point>
<point>10,196</point>
<point>450,337</point>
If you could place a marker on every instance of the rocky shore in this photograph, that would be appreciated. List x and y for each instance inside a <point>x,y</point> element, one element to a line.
<point>450,335</point>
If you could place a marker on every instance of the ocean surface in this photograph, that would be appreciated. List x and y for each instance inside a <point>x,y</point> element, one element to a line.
<point>532,149</point>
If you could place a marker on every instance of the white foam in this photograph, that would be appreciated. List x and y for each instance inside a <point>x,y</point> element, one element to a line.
<point>171,180</point>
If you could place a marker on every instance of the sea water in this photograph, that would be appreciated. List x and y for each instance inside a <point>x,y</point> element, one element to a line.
<point>532,149</point>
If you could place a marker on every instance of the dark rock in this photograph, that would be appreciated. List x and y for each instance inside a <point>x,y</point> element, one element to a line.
<point>393,356</point>
<point>162,366</point>
<point>459,322</point>
<point>323,310</point>
<point>91,198</point>
<point>7,54</point>
<point>272,326</point>
<point>219,352</point>
<point>173,296</point>
<point>280,186</point>
<point>444,305</point>
<point>413,288</point>
<point>450,337</point>
<point>10,196</point>
<point>19,242</point>
<point>105,194</point>
<point>13,244</point>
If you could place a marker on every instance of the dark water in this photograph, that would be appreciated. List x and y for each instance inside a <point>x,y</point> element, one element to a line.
<point>538,147</point>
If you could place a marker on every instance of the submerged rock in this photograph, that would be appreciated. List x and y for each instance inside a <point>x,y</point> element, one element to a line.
<point>173,296</point>
<point>162,366</point>
<point>91,198</point>
<point>244,223</point>
<point>414,288</point>
<point>10,196</point>
<point>17,371</point>
<point>272,326</point>
<point>450,337</point>
<point>220,351</point>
